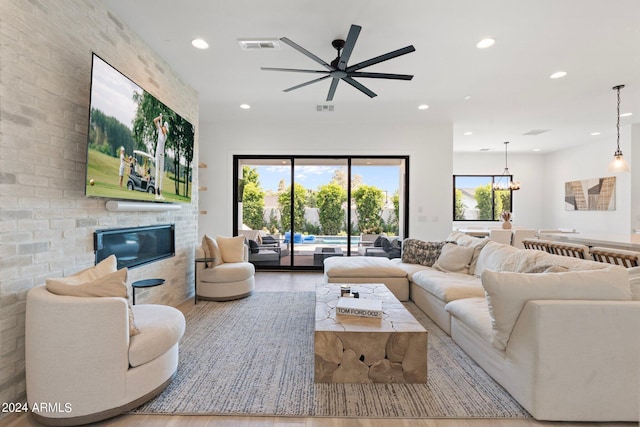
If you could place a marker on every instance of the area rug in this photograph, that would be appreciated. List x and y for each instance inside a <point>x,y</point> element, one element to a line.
<point>255,357</point>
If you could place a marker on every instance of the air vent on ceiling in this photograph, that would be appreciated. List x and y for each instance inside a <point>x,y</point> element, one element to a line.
<point>253,44</point>
<point>322,108</point>
<point>536,132</point>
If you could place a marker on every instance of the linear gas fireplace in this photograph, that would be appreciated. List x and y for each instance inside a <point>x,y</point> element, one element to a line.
<point>135,246</point>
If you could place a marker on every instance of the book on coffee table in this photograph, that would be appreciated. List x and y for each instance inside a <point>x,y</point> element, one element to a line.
<point>361,307</point>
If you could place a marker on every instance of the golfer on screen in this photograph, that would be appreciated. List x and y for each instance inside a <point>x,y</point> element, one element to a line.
<point>163,130</point>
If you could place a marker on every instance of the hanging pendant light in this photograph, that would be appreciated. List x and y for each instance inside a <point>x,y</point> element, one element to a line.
<point>504,182</point>
<point>618,164</point>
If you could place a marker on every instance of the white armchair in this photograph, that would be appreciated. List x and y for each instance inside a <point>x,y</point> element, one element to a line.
<point>79,353</point>
<point>229,275</point>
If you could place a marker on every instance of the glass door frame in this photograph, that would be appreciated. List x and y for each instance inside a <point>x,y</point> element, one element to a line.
<point>404,208</point>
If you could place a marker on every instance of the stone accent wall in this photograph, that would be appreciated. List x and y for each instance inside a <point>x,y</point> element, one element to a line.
<point>46,222</point>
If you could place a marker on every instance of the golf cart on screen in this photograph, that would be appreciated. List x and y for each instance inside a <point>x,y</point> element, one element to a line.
<point>142,172</point>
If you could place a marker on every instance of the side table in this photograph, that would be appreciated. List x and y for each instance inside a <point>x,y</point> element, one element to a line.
<point>195,276</point>
<point>147,283</point>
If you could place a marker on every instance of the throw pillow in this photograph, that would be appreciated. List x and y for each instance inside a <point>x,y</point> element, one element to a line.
<point>507,293</point>
<point>211,250</point>
<point>454,259</point>
<point>109,285</point>
<point>253,247</point>
<point>416,251</point>
<point>269,240</point>
<point>473,242</point>
<point>231,248</point>
<point>492,256</point>
<point>104,267</point>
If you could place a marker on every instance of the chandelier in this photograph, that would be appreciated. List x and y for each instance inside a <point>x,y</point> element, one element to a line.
<point>504,181</point>
<point>618,164</point>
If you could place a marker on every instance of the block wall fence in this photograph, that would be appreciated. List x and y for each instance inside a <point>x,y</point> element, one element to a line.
<point>46,222</point>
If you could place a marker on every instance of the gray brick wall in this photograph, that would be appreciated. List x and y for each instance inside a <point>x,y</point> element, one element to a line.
<point>46,222</point>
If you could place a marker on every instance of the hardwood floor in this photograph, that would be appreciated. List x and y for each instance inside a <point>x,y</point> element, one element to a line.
<point>289,282</point>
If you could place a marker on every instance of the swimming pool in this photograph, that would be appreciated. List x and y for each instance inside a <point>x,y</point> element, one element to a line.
<point>337,240</point>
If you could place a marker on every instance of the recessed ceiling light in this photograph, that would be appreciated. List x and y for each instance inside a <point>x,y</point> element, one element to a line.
<point>468,97</point>
<point>485,149</point>
<point>485,43</point>
<point>594,133</point>
<point>626,114</point>
<point>536,149</point>
<point>468,133</point>
<point>199,44</point>
<point>558,74</point>
<point>245,106</point>
<point>423,107</point>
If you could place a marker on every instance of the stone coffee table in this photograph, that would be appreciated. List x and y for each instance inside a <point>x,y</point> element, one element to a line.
<point>351,349</point>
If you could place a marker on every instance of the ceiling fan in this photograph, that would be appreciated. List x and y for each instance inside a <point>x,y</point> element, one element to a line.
<point>338,68</point>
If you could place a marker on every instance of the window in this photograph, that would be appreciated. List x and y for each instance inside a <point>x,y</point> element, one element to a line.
<point>314,207</point>
<point>474,198</point>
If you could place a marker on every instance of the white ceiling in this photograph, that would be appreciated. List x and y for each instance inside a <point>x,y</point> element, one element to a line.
<point>597,42</point>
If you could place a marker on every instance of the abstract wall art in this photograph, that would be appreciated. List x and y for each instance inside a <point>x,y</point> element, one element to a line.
<point>595,194</point>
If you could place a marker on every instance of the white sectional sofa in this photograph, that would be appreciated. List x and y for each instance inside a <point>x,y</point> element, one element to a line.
<point>560,334</point>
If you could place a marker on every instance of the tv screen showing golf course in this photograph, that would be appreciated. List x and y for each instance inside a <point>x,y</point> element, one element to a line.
<point>138,148</point>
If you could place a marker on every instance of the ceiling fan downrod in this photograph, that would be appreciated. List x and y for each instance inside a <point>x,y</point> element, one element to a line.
<point>338,45</point>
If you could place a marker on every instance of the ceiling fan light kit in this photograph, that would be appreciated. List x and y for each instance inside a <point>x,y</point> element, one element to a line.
<point>339,69</point>
<point>618,164</point>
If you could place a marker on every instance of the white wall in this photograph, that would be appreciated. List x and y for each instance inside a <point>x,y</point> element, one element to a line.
<point>528,202</point>
<point>429,148</point>
<point>591,161</point>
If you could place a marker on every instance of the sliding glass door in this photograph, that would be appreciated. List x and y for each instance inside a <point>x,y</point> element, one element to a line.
<point>296,211</point>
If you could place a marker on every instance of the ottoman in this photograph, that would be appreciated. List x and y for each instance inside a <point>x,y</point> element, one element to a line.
<point>360,269</point>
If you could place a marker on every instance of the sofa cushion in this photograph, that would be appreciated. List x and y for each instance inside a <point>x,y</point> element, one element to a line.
<point>448,286</point>
<point>546,268</point>
<point>454,259</point>
<point>162,327</point>
<point>634,282</point>
<point>508,292</point>
<point>227,272</point>
<point>231,248</point>
<point>473,312</point>
<point>365,266</point>
<point>409,268</point>
<point>462,239</point>
<point>492,257</point>
<point>420,252</point>
<point>211,250</point>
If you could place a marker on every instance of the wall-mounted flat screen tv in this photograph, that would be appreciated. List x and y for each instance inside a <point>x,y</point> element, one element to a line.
<point>138,148</point>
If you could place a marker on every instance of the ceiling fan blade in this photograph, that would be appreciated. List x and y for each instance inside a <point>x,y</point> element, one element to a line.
<point>381,58</point>
<point>306,53</point>
<point>306,84</point>
<point>382,76</point>
<point>352,37</point>
<point>294,70</point>
<point>332,88</point>
<point>359,86</point>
